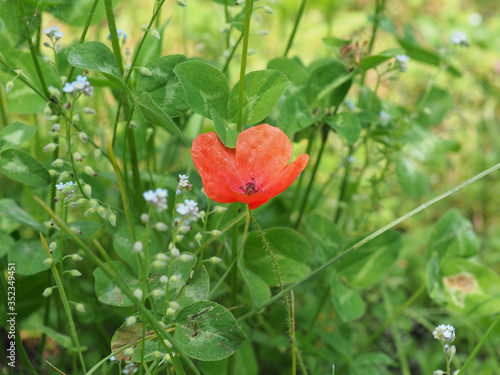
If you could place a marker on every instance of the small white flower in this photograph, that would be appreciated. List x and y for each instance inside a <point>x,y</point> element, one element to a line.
<point>445,333</point>
<point>459,38</point>
<point>402,62</point>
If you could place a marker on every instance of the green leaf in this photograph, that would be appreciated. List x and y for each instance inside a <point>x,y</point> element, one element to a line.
<point>453,236</point>
<point>330,79</point>
<point>375,60</point>
<point>372,364</point>
<point>22,167</point>
<point>227,135</point>
<point>62,339</point>
<point>127,335</point>
<point>294,115</point>
<point>348,303</point>
<point>108,292</point>
<point>97,56</point>
<point>207,331</point>
<point>246,362</point>
<point>28,255</point>
<point>434,284</point>
<point>196,290</point>
<point>291,250</point>
<point>11,211</point>
<point>76,13</point>
<point>163,85</point>
<point>369,263</point>
<point>124,246</point>
<point>435,108</point>
<point>415,52</point>
<point>205,86</point>
<point>7,243</point>
<point>263,89</point>
<point>324,235</point>
<point>87,227</point>
<point>296,73</point>
<point>259,290</point>
<point>157,116</point>
<point>15,134</point>
<point>471,288</point>
<point>347,124</point>
<point>414,182</point>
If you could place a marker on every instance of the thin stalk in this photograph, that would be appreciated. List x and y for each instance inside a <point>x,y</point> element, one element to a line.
<point>226,65</point>
<point>321,303</point>
<point>115,43</point>
<point>84,33</point>
<point>274,261</point>
<point>479,345</point>
<point>135,164</point>
<point>23,78</point>
<point>403,361</point>
<point>294,349</point>
<point>379,8</point>
<point>311,181</point>
<point>244,53</point>
<point>65,302</point>
<point>310,142</point>
<point>343,186</point>
<point>3,108</point>
<point>33,51</point>
<point>23,357</point>
<point>375,235</point>
<point>157,327</point>
<point>295,26</point>
<point>123,192</point>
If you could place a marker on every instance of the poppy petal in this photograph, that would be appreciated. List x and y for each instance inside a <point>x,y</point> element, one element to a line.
<point>217,167</point>
<point>286,177</point>
<point>262,152</point>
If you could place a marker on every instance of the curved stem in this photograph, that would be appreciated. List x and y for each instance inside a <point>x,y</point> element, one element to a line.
<point>246,35</point>
<point>343,186</point>
<point>115,43</point>
<point>310,142</point>
<point>274,261</point>
<point>375,235</point>
<point>295,27</point>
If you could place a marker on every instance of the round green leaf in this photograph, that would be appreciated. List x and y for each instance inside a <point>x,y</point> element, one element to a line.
<point>22,167</point>
<point>15,134</point>
<point>11,211</point>
<point>108,292</point>
<point>207,331</point>
<point>414,182</point>
<point>28,255</point>
<point>347,125</point>
<point>291,250</point>
<point>347,302</point>
<point>263,89</point>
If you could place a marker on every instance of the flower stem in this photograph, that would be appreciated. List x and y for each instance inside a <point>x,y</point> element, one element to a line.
<point>295,27</point>
<point>343,186</point>
<point>115,43</point>
<point>480,344</point>
<point>244,53</point>
<point>32,48</point>
<point>65,302</point>
<point>376,234</point>
<point>274,261</point>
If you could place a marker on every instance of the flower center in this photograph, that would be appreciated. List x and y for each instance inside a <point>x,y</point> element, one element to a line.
<point>250,188</point>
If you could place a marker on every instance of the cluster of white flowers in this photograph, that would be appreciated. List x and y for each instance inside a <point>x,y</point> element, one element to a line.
<point>402,62</point>
<point>121,35</point>
<point>81,85</point>
<point>459,38</point>
<point>189,210</point>
<point>157,198</point>
<point>183,184</point>
<point>445,333</point>
<point>53,32</point>
<point>67,188</point>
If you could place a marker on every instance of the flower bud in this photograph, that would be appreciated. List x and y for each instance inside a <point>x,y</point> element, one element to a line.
<point>179,238</point>
<point>138,294</point>
<point>131,320</point>
<point>157,293</point>
<point>9,86</point>
<point>88,111</point>
<point>47,292</point>
<point>46,44</point>
<point>93,203</point>
<point>267,9</point>
<point>198,237</point>
<point>202,214</point>
<point>56,127</point>
<point>88,170</point>
<point>157,264</point>
<point>80,308</point>
<point>145,71</point>
<point>52,172</point>
<point>47,112</point>
<point>112,219</point>
<point>77,156</point>
<point>174,278</point>
<point>170,311</point>
<point>128,352</point>
<point>87,189</point>
<point>89,212</point>
<point>186,257</point>
<point>138,246</point>
<point>175,252</point>
<point>167,358</point>
<point>54,92</point>
<point>97,153</point>
<point>53,246</point>
<point>58,163</point>
<point>76,119</point>
<point>157,354</point>
<point>220,209</point>
<point>80,202</point>
<point>50,147</point>
<point>216,233</point>
<point>162,257</point>
<point>76,258</point>
<point>439,372</point>
<point>54,118</point>
<point>144,218</point>
<point>83,136</point>
<point>181,3</point>
<point>160,227</point>
<point>164,279</point>
<point>155,34</point>
<point>215,260</point>
<point>174,305</point>
<point>76,230</point>
<point>74,273</point>
<point>226,28</point>
<point>101,211</point>
<point>48,261</point>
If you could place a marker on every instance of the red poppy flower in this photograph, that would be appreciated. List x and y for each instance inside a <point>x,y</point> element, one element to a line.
<point>253,172</point>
